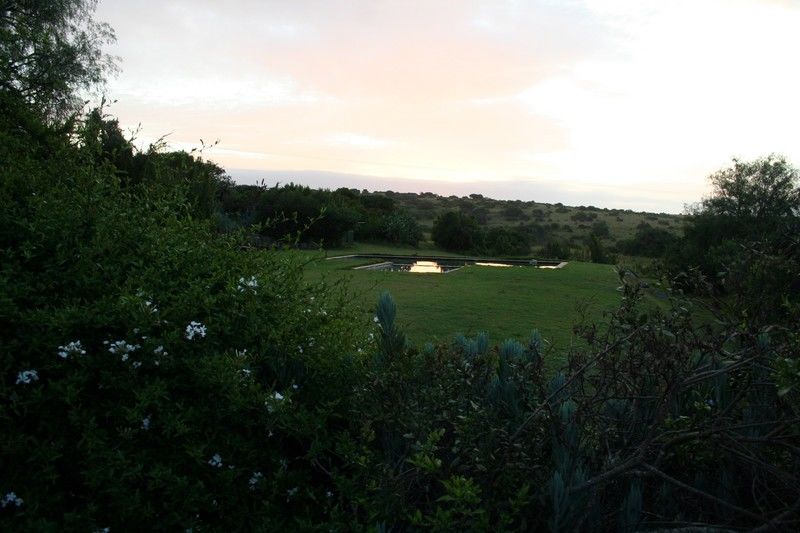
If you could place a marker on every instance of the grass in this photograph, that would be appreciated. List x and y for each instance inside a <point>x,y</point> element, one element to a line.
<point>504,302</point>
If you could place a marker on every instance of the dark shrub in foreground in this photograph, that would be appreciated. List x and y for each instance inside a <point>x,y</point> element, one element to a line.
<point>155,375</point>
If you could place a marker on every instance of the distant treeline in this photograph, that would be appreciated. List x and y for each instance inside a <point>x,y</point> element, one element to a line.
<point>299,213</point>
<point>317,215</point>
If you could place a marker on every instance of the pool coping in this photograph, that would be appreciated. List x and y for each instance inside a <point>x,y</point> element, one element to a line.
<point>444,260</point>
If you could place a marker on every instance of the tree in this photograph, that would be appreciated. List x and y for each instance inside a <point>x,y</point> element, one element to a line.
<point>648,242</point>
<point>757,201</point>
<point>507,241</point>
<point>401,228</point>
<point>50,50</point>
<point>456,231</point>
<point>758,196</point>
<point>743,239</point>
<point>600,229</point>
<point>597,253</point>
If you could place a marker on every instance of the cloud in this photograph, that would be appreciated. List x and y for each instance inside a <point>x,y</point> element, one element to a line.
<point>357,141</point>
<point>628,94</point>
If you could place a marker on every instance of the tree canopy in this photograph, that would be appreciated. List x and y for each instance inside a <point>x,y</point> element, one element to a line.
<point>50,51</point>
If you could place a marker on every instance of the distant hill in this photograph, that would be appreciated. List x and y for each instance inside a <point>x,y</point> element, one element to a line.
<point>544,222</point>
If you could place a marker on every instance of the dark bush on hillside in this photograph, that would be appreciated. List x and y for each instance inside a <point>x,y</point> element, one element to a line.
<point>294,211</point>
<point>456,231</point>
<point>506,241</point>
<point>514,212</point>
<point>556,250</point>
<point>648,242</point>
<point>600,229</point>
<point>401,228</point>
<point>378,202</point>
<point>598,252</point>
<point>583,216</point>
<point>537,233</point>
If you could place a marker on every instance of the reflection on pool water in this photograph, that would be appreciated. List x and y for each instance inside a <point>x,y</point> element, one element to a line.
<point>493,265</point>
<point>425,267</point>
<point>443,265</point>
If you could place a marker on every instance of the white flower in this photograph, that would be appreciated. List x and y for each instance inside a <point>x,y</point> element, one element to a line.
<point>248,284</point>
<point>11,499</point>
<point>216,461</point>
<point>291,493</point>
<point>104,530</point>
<point>195,328</point>
<point>323,313</point>
<point>136,364</point>
<point>150,306</point>
<point>146,423</point>
<point>300,349</point>
<point>73,348</point>
<point>375,319</point>
<point>295,386</point>
<point>27,376</point>
<point>254,479</point>
<point>159,350</point>
<point>123,349</point>
<point>329,494</point>
<point>275,401</point>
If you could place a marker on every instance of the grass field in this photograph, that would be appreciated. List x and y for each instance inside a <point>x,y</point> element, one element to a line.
<point>504,302</point>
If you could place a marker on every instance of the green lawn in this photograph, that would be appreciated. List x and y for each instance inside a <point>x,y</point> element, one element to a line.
<point>504,302</point>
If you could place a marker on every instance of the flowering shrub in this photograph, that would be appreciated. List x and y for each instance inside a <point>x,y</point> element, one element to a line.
<point>156,375</point>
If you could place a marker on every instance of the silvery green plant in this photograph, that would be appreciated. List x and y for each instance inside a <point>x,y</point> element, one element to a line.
<point>392,340</point>
<point>631,512</point>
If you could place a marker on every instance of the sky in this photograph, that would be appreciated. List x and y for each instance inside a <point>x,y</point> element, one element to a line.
<point>614,103</point>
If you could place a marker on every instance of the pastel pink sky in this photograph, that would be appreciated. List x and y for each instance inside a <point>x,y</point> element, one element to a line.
<point>613,103</point>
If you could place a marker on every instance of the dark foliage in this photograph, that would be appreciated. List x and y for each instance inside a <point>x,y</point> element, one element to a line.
<point>456,231</point>
<point>648,242</point>
<point>49,50</point>
<point>503,241</point>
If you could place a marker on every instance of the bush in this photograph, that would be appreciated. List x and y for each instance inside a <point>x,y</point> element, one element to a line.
<point>455,231</point>
<point>648,242</point>
<point>556,250</point>
<point>507,241</point>
<point>296,212</point>
<point>625,436</point>
<point>401,228</point>
<point>155,375</point>
<point>600,229</point>
<point>753,210</point>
